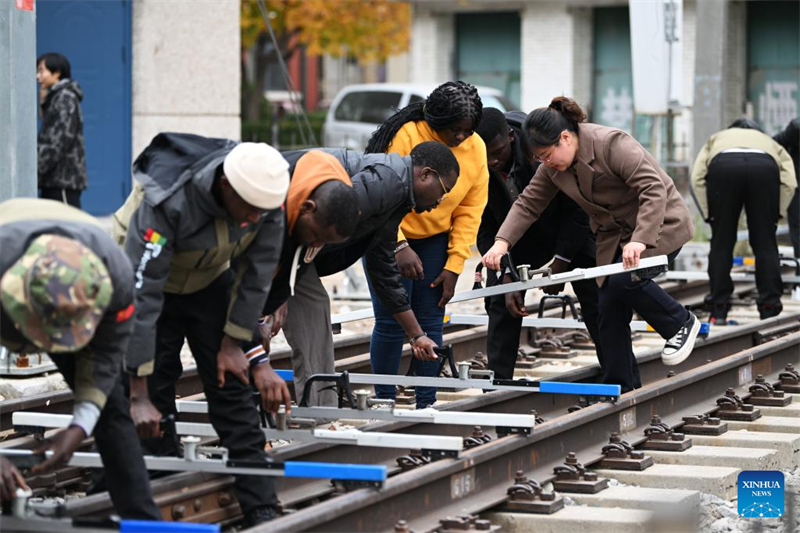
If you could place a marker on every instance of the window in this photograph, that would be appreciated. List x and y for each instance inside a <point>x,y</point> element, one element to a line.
<point>372,107</point>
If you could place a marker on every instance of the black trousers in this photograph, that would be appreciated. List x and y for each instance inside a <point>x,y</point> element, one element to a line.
<point>115,436</point>
<point>620,296</point>
<point>735,180</point>
<point>794,223</point>
<point>66,196</point>
<point>200,318</point>
<point>504,329</point>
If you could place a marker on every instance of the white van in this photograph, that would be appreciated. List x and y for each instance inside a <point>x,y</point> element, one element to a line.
<point>359,109</point>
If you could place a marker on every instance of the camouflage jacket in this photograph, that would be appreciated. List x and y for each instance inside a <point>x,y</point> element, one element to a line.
<point>98,365</point>
<point>61,152</point>
<point>179,239</point>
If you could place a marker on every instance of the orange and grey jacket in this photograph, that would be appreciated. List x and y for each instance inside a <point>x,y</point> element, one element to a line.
<point>384,187</point>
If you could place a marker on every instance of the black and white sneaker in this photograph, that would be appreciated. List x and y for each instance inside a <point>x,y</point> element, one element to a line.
<point>679,347</point>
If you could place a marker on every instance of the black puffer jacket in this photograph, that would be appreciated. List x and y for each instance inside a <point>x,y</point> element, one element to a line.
<point>383,184</point>
<point>61,152</point>
<point>563,228</point>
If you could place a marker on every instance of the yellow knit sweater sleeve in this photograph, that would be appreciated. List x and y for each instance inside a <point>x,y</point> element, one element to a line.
<point>402,144</point>
<point>466,217</point>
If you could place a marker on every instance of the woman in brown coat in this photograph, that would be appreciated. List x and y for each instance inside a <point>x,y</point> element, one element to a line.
<point>634,210</point>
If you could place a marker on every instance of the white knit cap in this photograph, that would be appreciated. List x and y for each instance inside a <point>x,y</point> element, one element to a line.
<point>258,173</point>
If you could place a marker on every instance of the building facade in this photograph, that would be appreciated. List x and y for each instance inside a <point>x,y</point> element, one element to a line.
<point>738,58</point>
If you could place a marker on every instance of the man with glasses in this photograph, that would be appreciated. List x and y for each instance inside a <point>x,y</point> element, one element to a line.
<point>388,187</point>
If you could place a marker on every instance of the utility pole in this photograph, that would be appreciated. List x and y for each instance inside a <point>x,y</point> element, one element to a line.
<point>18,99</point>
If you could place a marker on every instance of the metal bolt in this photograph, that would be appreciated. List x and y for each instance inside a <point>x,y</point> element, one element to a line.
<point>655,420</point>
<point>178,512</point>
<point>590,476</point>
<point>22,361</point>
<point>19,505</point>
<point>361,399</point>
<point>197,504</point>
<point>520,477</point>
<point>572,459</point>
<point>224,499</point>
<point>671,374</point>
<point>280,418</point>
<point>483,525</point>
<point>760,379</point>
<point>614,438</point>
<point>190,443</point>
<point>463,370</point>
<point>401,527</point>
<point>523,271</point>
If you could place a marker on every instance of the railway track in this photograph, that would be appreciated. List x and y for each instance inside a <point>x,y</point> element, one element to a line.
<point>351,353</point>
<point>478,480</point>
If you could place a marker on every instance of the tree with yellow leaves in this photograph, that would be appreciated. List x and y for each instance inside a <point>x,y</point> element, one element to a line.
<point>367,30</point>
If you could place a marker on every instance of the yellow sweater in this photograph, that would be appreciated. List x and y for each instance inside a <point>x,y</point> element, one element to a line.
<point>460,212</point>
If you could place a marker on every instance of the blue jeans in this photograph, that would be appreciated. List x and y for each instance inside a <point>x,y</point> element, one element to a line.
<point>388,337</point>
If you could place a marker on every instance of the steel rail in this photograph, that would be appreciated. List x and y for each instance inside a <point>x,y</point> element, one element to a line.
<point>552,407</point>
<point>478,479</point>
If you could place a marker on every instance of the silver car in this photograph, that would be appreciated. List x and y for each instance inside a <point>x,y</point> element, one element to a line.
<point>359,109</point>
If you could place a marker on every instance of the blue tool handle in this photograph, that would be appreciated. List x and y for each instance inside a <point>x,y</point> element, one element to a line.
<point>587,389</point>
<point>285,375</point>
<point>334,471</point>
<point>157,526</point>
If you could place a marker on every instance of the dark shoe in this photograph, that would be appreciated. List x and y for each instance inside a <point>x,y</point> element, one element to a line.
<point>259,515</point>
<point>679,347</point>
<point>769,310</point>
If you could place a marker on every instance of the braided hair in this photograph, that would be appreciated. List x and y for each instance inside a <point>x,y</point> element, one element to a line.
<point>446,105</point>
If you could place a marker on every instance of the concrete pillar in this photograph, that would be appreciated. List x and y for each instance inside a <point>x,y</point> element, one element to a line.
<point>548,51</point>
<point>710,64</point>
<point>186,69</point>
<point>583,56</point>
<point>432,46</point>
<point>18,98</point>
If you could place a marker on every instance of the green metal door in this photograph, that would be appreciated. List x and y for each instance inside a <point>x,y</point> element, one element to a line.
<point>613,79</point>
<point>488,51</point>
<point>773,62</point>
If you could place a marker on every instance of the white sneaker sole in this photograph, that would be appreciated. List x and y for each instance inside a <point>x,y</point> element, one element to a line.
<point>686,350</point>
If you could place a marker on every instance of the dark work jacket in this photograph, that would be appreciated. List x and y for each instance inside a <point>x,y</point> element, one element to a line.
<point>383,185</point>
<point>61,153</point>
<point>789,138</point>
<point>563,228</point>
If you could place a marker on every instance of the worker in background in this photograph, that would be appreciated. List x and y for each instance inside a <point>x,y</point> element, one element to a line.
<point>742,166</point>
<point>789,138</point>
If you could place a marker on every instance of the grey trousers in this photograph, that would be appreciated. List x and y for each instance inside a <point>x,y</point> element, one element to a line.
<point>308,332</point>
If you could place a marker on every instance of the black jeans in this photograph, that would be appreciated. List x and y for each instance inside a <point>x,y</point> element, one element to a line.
<point>794,223</point>
<point>115,436</point>
<point>65,196</point>
<point>620,296</point>
<point>735,180</point>
<point>504,329</point>
<point>200,318</point>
